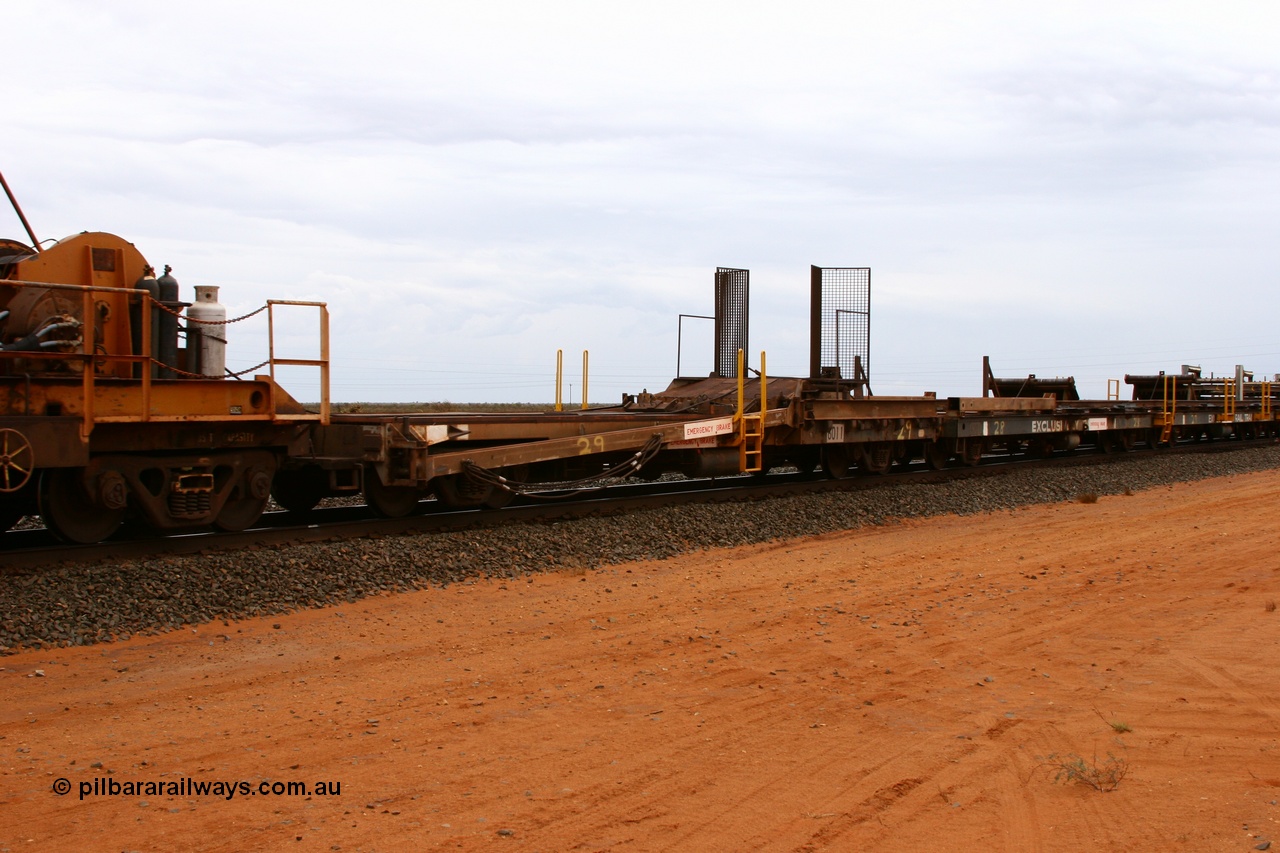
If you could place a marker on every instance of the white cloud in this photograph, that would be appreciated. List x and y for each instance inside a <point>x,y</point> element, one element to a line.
<point>473,186</point>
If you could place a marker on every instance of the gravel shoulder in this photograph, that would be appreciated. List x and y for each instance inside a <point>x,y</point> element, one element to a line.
<point>705,680</point>
<point>83,605</point>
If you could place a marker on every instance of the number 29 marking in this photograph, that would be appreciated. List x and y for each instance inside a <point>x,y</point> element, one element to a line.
<point>594,444</point>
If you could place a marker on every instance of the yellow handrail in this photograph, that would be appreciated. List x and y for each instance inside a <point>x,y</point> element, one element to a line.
<point>1170,408</point>
<point>737,416</point>
<point>751,426</point>
<point>559,380</point>
<point>92,358</point>
<point>322,362</point>
<point>764,379</point>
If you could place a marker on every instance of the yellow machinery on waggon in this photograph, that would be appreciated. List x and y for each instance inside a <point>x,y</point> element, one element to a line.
<point>103,412</point>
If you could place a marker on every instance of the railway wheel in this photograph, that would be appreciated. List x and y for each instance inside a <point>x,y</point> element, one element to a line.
<point>970,450</point>
<point>835,461</point>
<point>1154,436</point>
<point>1124,440</point>
<point>458,491</point>
<point>876,457</point>
<point>936,454</point>
<point>389,501</point>
<point>239,514</point>
<point>247,503</point>
<point>70,512</point>
<point>299,490</point>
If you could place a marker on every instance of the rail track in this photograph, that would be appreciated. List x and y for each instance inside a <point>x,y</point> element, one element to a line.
<point>30,550</point>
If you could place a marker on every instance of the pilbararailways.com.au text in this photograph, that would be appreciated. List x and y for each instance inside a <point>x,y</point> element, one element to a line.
<point>188,787</point>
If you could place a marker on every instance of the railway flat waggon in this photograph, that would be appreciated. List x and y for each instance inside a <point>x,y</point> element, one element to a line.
<point>116,406</point>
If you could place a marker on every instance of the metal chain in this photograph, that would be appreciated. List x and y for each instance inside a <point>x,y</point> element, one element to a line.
<point>248,369</point>
<point>160,364</point>
<point>164,366</point>
<point>191,319</point>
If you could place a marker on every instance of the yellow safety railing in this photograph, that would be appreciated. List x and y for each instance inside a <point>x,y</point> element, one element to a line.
<point>560,380</point>
<point>1266,401</point>
<point>1228,400</point>
<point>1113,389</point>
<point>96,362</point>
<point>1170,407</point>
<point>322,362</point>
<point>751,426</point>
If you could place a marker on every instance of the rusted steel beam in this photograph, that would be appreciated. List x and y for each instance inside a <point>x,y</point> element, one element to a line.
<point>124,401</point>
<point>872,407</point>
<point>614,441</point>
<point>1001,404</point>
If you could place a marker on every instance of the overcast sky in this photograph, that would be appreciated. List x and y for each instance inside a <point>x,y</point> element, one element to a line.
<point>1087,189</point>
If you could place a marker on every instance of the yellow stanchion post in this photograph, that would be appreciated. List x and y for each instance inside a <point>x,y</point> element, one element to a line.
<point>559,379</point>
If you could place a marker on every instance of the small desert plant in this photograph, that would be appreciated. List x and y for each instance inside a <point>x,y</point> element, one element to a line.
<point>1116,726</point>
<point>1087,498</point>
<point>1270,607</point>
<point>1102,776</point>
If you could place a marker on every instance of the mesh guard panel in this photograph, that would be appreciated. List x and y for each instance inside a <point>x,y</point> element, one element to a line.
<point>732,300</point>
<point>840,314</point>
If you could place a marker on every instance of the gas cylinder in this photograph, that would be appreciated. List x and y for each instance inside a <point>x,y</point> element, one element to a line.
<point>206,316</point>
<point>152,347</point>
<point>168,351</point>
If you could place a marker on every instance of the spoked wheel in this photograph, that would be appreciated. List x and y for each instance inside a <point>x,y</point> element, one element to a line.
<point>835,461</point>
<point>299,490</point>
<point>876,457</point>
<point>248,502</point>
<point>17,460</point>
<point>936,455</point>
<point>389,501</point>
<point>68,510</point>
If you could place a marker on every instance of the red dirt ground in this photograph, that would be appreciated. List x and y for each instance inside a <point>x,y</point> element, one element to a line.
<point>905,687</point>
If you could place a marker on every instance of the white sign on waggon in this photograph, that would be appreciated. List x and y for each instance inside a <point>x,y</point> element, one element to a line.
<point>708,429</point>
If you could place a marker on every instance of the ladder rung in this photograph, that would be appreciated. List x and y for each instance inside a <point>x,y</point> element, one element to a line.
<point>751,451</point>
